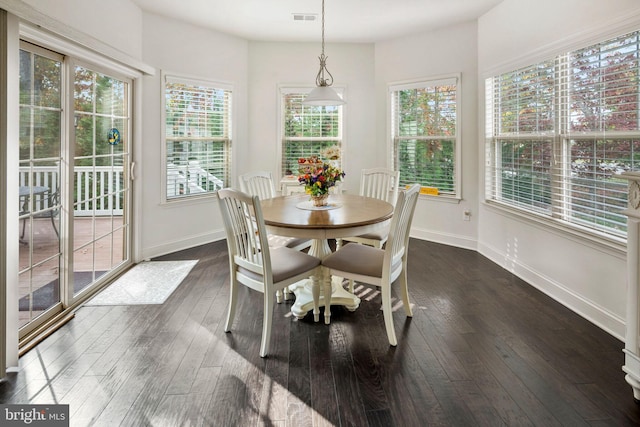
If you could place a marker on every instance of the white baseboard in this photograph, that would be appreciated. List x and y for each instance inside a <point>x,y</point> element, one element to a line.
<point>186,243</point>
<point>464,242</point>
<point>592,312</point>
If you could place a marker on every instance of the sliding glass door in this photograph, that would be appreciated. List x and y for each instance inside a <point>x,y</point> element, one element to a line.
<point>74,214</point>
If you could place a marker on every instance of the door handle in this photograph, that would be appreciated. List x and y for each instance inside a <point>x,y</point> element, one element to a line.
<point>131,171</point>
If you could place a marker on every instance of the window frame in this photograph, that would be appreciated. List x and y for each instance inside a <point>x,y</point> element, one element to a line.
<point>562,204</point>
<point>424,83</point>
<point>338,140</point>
<point>170,77</point>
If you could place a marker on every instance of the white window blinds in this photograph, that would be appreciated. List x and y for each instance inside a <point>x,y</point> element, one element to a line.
<point>197,136</point>
<point>560,132</point>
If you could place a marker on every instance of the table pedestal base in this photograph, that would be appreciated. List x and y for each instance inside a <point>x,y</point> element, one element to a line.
<point>303,290</point>
<point>304,299</point>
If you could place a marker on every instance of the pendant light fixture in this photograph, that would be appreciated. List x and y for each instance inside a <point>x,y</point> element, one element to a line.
<point>323,93</point>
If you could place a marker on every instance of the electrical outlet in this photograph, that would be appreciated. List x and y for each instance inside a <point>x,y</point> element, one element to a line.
<point>466,215</point>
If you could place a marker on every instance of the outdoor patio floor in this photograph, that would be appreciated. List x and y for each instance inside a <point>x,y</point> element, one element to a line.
<point>42,248</point>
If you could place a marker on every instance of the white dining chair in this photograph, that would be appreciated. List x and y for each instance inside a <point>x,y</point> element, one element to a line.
<point>382,267</point>
<point>261,184</point>
<point>253,263</point>
<point>258,183</point>
<point>380,183</point>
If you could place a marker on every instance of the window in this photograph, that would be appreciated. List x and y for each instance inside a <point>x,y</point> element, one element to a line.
<point>560,133</point>
<point>307,130</point>
<point>425,133</point>
<point>197,136</point>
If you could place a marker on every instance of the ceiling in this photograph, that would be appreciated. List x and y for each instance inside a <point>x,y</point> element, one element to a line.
<point>355,21</point>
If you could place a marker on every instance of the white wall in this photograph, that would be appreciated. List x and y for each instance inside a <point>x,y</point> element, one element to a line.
<point>515,32</point>
<point>447,51</point>
<point>587,276</point>
<point>296,64</point>
<point>115,22</point>
<point>186,50</point>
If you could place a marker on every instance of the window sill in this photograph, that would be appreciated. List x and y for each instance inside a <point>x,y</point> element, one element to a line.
<point>195,199</point>
<point>442,198</point>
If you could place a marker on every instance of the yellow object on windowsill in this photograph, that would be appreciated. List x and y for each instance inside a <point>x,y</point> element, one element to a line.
<point>431,191</point>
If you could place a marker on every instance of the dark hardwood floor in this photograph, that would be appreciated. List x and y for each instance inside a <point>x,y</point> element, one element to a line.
<point>483,349</point>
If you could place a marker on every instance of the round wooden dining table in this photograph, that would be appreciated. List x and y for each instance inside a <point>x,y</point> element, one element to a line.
<point>345,215</point>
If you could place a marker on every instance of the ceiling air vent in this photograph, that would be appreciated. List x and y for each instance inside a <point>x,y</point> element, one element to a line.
<point>305,16</point>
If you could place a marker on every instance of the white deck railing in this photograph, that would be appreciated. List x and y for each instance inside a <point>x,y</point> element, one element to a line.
<point>190,178</point>
<point>105,199</point>
<point>99,190</point>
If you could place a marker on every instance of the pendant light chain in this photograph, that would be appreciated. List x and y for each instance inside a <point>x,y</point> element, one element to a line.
<point>323,94</point>
<point>320,80</point>
<point>322,27</point>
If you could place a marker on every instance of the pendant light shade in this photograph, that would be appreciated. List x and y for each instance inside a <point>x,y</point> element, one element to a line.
<point>323,94</point>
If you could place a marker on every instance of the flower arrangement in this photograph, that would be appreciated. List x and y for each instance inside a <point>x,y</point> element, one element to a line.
<point>318,176</point>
